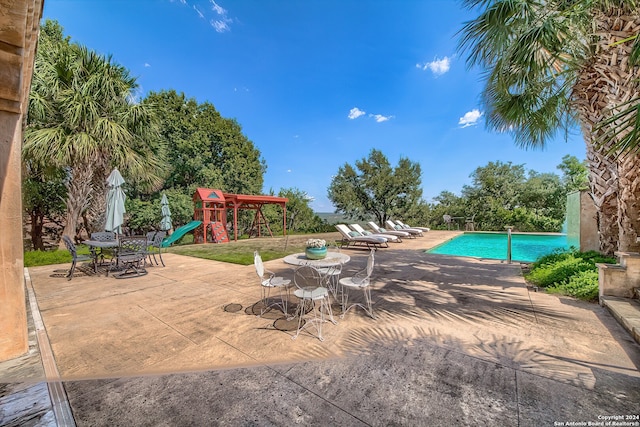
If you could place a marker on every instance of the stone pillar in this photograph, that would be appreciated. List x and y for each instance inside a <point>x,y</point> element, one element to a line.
<point>19,23</point>
<point>13,332</point>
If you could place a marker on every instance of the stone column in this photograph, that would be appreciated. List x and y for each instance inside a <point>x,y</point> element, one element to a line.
<point>19,23</point>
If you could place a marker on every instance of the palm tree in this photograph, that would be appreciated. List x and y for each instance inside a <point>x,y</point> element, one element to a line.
<point>82,118</point>
<point>553,64</point>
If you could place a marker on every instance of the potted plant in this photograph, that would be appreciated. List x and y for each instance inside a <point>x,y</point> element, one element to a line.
<point>316,249</point>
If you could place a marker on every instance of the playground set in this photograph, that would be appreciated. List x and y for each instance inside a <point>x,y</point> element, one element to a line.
<point>210,214</point>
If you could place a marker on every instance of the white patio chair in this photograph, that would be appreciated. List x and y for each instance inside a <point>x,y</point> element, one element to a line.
<point>360,280</point>
<point>413,231</point>
<point>332,273</point>
<point>390,237</point>
<point>353,238</point>
<point>314,299</point>
<point>268,281</point>
<point>380,230</point>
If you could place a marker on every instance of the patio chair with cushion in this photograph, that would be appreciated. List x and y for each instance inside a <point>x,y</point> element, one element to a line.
<point>360,280</point>
<point>402,234</point>
<point>268,281</point>
<point>353,238</point>
<point>390,237</point>
<point>403,225</point>
<point>74,255</point>
<point>314,299</point>
<point>413,231</point>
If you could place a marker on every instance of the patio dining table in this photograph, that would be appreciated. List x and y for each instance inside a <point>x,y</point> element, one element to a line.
<point>331,260</point>
<point>329,267</point>
<point>99,244</point>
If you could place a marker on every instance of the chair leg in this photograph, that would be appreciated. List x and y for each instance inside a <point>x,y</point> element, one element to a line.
<point>72,269</point>
<point>283,296</point>
<point>367,306</point>
<point>160,255</point>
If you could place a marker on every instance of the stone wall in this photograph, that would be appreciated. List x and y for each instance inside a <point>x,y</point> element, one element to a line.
<point>19,24</point>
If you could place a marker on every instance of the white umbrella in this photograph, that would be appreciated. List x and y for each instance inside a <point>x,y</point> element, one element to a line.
<point>165,223</point>
<point>115,202</point>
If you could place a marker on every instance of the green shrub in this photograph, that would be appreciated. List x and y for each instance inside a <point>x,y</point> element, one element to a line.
<point>594,257</point>
<point>583,285</point>
<point>570,273</point>
<point>551,258</point>
<point>559,271</point>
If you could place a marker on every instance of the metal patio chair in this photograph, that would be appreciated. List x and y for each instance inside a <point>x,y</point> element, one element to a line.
<point>154,241</point>
<point>268,281</point>
<point>361,280</point>
<point>314,299</point>
<point>74,255</point>
<point>131,257</point>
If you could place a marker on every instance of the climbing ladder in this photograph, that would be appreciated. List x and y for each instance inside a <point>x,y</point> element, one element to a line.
<point>219,233</point>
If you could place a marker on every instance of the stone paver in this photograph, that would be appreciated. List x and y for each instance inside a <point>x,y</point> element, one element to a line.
<point>457,341</point>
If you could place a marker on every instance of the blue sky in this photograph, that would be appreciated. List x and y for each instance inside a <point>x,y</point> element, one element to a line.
<point>316,84</point>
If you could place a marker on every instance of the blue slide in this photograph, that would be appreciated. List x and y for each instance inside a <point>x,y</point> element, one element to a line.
<point>179,232</point>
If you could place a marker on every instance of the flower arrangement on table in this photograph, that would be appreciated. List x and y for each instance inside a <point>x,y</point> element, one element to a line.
<point>316,249</point>
<point>316,243</point>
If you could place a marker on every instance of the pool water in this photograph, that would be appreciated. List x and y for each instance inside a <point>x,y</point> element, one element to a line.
<point>524,247</point>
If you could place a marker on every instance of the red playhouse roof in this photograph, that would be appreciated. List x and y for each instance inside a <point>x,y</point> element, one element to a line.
<point>209,195</point>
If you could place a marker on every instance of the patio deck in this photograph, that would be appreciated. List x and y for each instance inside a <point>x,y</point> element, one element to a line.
<point>457,341</point>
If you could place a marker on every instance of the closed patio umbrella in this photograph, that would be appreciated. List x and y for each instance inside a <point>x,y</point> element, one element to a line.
<point>165,223</point>
<point>115,202</point>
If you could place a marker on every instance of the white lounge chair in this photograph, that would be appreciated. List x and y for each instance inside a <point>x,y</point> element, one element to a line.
<point>413,231</point>
<point>403,225</point>
<point>402,234</point>
<point>353,238</point>
<point>390,237</point>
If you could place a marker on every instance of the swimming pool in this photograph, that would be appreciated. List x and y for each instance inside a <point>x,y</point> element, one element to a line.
<point>525,247</point>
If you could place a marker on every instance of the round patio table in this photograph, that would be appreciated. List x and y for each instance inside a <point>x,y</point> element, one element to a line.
<point>331,260</point>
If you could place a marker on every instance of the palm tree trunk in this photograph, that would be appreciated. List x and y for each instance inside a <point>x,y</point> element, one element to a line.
<point>603,177</point>
<point>605,83</point>
<point>614,26</point>
<point>78,197</point>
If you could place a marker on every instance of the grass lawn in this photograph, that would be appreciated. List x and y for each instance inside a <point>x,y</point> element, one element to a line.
<point>240,252</point>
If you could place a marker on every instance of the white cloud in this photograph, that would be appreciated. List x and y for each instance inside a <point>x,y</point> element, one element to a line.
<point>220,26</point>
<point>355,112</point>
<point>147,65</point>
<point>218,9</point>
<point>437,66</point>
<point>470,118</point>
<point>289,170</point>
<point>222,23</point>
<point>200,14</point>
<point>380,118</point>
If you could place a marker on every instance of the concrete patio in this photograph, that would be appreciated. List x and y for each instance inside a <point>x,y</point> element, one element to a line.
<point>457,341</point>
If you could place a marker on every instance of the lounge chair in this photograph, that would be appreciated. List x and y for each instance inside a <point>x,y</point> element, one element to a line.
<point>353,238</point>
<point>402,234</point>
<point>413,231</point>
<point>403,225</point>
<point>390,237</point>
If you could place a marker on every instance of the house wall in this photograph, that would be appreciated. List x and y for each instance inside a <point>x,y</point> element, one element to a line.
<point>19,24</point>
